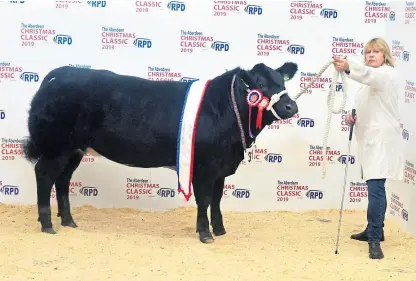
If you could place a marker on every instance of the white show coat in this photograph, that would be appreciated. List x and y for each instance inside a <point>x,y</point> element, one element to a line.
<point>378,129</point>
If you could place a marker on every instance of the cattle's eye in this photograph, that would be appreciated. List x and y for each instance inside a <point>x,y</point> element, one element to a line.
<point>261,85</point>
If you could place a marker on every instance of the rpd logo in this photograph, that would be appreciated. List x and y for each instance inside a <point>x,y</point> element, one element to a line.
<point>220,46</point>
<point>306,123</point>
<point>273,158</point>
<point>166,192</point>
<point>176,6</point>
<point>344,158</point>
<point>314,194</point>
<point>241,193</point>
<point>296,49</point>
<point>29,77</point>
<point>2,114</point>
<point>392,16</point>
<point>9,189</point>
<point>188,79</point>
<point>405,215</point>
<point>405,134</point>
<point>253,10</point>
<point>406,56</point>
<point>89,191</point>
<point>62,39</point>
<point>329,13</point>
<point>97,4</point>
<point>338,87</point>
<point>142,43</point>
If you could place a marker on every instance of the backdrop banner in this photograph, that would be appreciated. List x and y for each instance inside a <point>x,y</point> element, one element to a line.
<point>184,40</point>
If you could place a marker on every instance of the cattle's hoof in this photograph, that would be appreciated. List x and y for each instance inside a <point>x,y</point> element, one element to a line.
<point>219,231</point>
<point>206,237</point>
<point>48,230</point>
<point>70,224</point>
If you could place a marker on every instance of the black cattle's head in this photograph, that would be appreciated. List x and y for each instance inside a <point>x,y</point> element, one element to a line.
<point>271,83</point>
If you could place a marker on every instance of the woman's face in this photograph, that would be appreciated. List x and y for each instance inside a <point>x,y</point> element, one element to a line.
<point>374,57</point>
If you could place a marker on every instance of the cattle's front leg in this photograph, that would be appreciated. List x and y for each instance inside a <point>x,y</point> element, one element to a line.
<point>203,197</point>
<point>216,216</point>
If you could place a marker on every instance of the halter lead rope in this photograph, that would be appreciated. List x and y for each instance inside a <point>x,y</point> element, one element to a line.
<point>330,103</point>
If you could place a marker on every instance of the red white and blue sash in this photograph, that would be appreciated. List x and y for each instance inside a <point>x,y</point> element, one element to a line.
<point>186,135</point>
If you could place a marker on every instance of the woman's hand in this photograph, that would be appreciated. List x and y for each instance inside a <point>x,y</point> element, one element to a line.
<point>350,120</point>
<point>340,63</point>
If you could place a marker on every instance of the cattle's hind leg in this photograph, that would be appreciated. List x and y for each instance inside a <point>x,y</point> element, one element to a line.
<point>62,189</point>
<point>47,171</point>
<point>216,216</point>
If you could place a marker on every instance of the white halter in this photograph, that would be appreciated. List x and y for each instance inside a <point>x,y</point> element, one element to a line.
<point>273,100</point>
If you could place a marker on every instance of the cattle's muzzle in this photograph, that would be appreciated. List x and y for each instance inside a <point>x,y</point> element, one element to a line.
<point>292,109</point>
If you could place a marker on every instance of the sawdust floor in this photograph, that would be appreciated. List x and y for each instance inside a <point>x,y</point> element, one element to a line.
<point>125,244</point>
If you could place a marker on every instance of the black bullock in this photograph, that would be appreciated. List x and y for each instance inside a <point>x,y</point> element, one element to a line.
<point>134,121</point>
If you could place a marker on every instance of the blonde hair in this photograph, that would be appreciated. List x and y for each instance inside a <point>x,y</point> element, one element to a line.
<point>381,44</point>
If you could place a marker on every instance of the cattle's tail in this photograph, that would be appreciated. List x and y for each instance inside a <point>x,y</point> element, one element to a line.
<point>31,153</point>
<point>58,120</point>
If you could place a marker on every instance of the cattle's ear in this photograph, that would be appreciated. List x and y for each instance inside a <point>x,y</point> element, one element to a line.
<point>288,70</point>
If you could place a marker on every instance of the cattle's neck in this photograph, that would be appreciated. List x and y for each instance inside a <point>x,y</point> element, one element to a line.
<point>267,118</point>
<point>241,90</point>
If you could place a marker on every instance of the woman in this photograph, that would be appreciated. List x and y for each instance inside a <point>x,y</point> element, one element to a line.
<point>377,131</point>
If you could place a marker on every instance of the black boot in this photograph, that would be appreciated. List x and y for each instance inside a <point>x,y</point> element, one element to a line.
<point>362,236</point>
<point>375,251</point>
